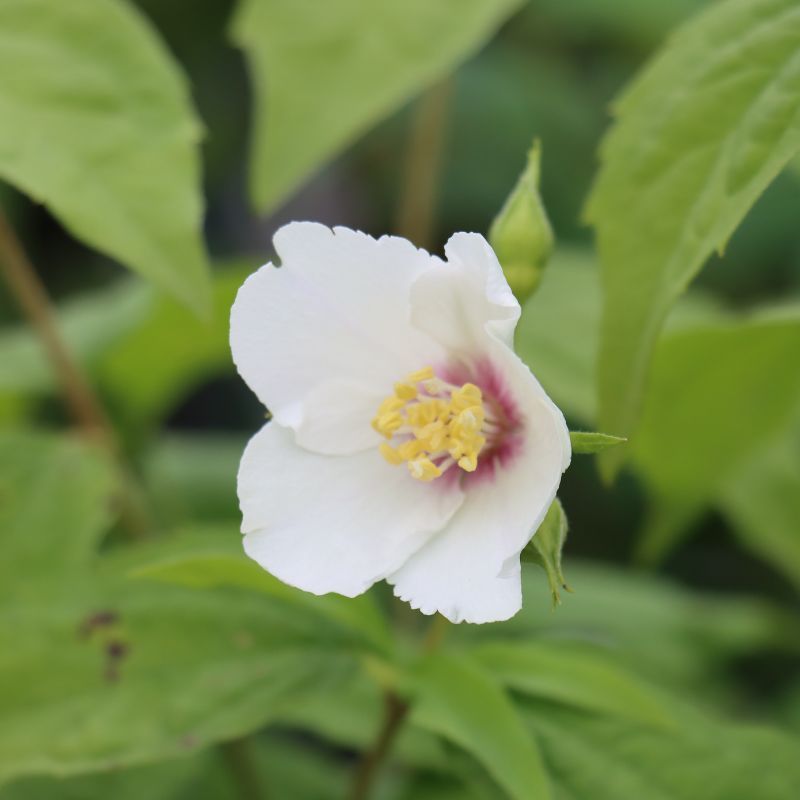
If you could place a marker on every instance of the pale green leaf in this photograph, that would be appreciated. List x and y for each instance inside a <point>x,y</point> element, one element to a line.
<point>457,700</point>
<point>520,234</point>
<point>217,560</point>
<point>545,548</point>
<point>587,443</point>
<point>96,672</point>
<point>89,324</point>
<point>189,350</point>
<point>98,126</point>
<point>716,393</point>
<point>699,136</point>
<point>579,676</point>
<point>604,758</point>
<point>324,73</point>
<point>762,502</point>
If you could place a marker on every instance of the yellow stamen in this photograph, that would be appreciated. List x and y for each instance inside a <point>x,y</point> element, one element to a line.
<point>432,419</point>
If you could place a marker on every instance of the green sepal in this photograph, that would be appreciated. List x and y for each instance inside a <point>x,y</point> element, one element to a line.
<point>587,442</point>
<point>545,549</point>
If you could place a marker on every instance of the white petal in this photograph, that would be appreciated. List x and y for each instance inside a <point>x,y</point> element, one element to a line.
<point>469,295</point>
<point>333,523</point>
<point>336,310</point>
<point>470,570</point>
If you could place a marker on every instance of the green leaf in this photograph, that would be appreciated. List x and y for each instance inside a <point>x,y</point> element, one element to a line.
<point>700,134</point>
<point>189,349</point>
<point>456,699</point>
<point>97,672</point>
<point>578,676</point>
<point>545,549</point>
<point>585,443</point>
<point>323,74</point>
<point>604,758</point>
<point>717,392</point>
<point>521,234</point>
<point>762,502</point>
<point>98,126</point>
<point>89,325</point>
<point>211,561</point>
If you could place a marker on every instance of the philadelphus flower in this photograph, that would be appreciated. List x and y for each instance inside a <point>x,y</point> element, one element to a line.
<point>408,442</point>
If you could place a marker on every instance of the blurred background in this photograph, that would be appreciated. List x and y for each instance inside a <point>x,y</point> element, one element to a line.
<point>551,72</point>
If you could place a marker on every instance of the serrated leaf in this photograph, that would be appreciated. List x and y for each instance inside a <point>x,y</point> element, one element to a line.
<point>586,443</point>
<point>699,136</point>
<point>98,126</point>
<point>546,546</point>
<point>520,234</point>
<point>456,699</point>
<point>323,73</point>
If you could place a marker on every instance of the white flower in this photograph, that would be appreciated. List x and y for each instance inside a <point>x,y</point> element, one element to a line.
<point>408,441</point>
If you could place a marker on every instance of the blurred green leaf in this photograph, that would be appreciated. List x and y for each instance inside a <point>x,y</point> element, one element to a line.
<point>98,126</point>
<point>603,758</point>
<point>700,135</point>
<point>587,443</point>
<point>521,234</point>
<point>579,676</point>
<point>457,700</point>
<point>96,672</point>
<point>557,334</point>
<point>324,74</point>
<point>170,352</point>
<point>89,325</point>
<point>545,548</point>
<point>762,502</point>
<point>54,508</point>
<point>716,393</point>
<point>664,632</point>
<point>207,562</point>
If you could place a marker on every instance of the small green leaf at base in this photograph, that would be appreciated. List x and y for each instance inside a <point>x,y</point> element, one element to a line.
<point>546,546</point>
<point>587,443</point>
<point>521,235</point>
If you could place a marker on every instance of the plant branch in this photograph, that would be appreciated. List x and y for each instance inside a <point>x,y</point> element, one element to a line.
<point>394,714</point>
<point>25,285</point>
<point>82,403</point>
<point>418,195</point>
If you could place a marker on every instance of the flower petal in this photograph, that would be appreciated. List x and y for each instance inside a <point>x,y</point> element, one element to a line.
<point>466,297</point>
<point>332,524</point>
<point>337,309</point>
<point>470,570</point>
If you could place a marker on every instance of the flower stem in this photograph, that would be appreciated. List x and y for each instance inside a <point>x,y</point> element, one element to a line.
<point>418,195</point>
<point>82,403</point>
<point>395,712</point>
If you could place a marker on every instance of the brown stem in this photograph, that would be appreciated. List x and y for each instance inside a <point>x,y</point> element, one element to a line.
<point>417,205</point>
<point>395,711</point>
<point>29,291</point>
<point>84,407</point>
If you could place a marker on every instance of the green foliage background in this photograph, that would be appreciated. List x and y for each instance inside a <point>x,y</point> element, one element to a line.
<point>172,138</point>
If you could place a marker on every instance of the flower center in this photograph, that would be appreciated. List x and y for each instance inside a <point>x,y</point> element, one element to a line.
<point>432,425</point>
